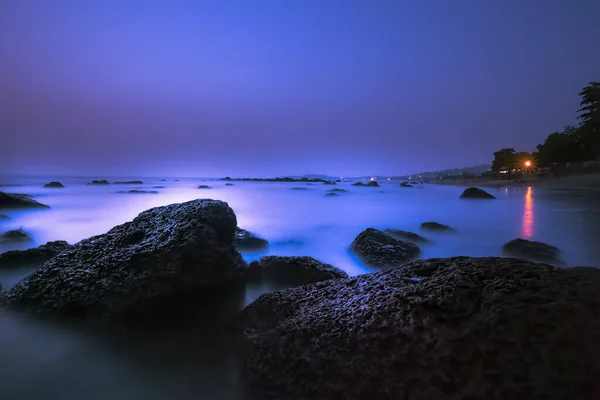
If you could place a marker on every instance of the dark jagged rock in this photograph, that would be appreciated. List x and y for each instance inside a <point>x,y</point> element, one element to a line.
<point>4,218</point>
<point>35,256</point>
<point>56,185</point>
<point>337,190</point>
<point>531,250</point>
<point>15,236</point>
<point>292,271</point>
<point>229,184</point>
<point>128,183</point>
<point>373,184</point>
<point>377,249</point>
<point>143,271</point>
<point>138,191</point>
<point>405,235</point>
<point>455,328</point>
<point>298,188</point>
<point>332,195</point>
<point>435,226</point>
<point>99,182</point>
<point>245,240</point>
<point>18,201</point>
<point>204,187</point>
<point>475,193</point>
<point>406,185</point>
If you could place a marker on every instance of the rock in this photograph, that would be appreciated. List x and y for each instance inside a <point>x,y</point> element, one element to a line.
<point>329,183</point>
<point>378,249</point>
<point>15,236</point>
<point>358,184</point>
<point>434,226</point>
<point>475,193</point>
<point>153,268</point>
<point>163,180</point>
<point>414,183</point>
<point>227,178</point>
<point>4,218</point>
<point>229,184</point>
<point>292,271</point>
<point>245,240</point>
<point>406,185</point>
<point>298,188</point>
<point>204,187</point>
<point>18,201</point>
<point>531,250</point>
<point>137,191</point>
<point>99,182</point>
<point>373,184</point>
<point>337,190</point>
<point>128,183</point>
<point>158,187</point>
<point>405,235</point>
<point>37,255</point>
<point>454,328</point>
<point>54,185</point>
<point>331,195</point>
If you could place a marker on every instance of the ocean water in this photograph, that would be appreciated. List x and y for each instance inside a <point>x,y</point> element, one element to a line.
<point>38,360</point>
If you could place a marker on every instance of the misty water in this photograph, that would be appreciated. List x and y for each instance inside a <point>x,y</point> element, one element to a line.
<point>49,361</point>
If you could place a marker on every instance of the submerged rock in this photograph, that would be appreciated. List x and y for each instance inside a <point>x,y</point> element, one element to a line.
<point>245,240</point>
<point>138,191</point>
<point>15,238</point>
<point>329,183</point>
<point>229,184</point>
<point>405,235</point>
<point>298,188</point>
<point>293,271</point>
<point>204,187</point>
<point>128,183</point>
<point>337,190</point>
<point>358,184</point>
<point>99,182</point>
<point>18,201</point>
<point>4,218</point>
<point>528,249</point>
<point>146,270</point>
<point>406,185</point>
<point>331,195</point>
<point>377,249</point>
<point>475,193</point>
<point>454,328</point>
<point>158,187</point>
<point>57,185</point>
<point>35,256</point>
<point>435,226</point>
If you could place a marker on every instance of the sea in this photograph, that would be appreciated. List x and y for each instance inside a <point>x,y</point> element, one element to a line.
<point>45,360</point>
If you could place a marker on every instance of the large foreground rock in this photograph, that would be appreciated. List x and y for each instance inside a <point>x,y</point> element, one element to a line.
<point>35,256</point>
<point>294,271</point>
<point>456,328</point>
<point>528,249</point>
<point>248,241</point>
<point>377,249</point>
<point>18,201</point>
<point>141,270</point>
<point>475,193</point>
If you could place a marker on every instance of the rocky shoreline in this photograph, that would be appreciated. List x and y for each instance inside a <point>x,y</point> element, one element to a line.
<point>456,327</point>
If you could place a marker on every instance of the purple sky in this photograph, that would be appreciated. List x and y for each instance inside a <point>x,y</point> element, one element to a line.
<point>263,88</point>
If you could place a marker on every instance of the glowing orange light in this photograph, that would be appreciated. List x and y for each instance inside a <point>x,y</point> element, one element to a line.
<point>528,163</point>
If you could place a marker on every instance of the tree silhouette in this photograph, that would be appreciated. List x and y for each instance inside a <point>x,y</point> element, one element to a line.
<point>590,108</point>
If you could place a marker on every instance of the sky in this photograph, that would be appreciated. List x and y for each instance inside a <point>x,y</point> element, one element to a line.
<point>285,87</point>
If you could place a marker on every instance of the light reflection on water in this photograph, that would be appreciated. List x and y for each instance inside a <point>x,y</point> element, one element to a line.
<point>528,214</point>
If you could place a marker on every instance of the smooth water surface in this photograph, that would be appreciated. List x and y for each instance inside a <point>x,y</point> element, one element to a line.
<point>47,362</point>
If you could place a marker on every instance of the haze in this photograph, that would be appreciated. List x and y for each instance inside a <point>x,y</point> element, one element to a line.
<point>264,88</point>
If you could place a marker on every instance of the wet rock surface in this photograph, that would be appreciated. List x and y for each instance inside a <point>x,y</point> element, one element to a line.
<point>476,193</point>
<point>246,240</point>
<point>436,226</point>
<point>16,201</point>
<point>142,271</point>
<point>531,250</point>
<point>292,271</point>
<point>378,249</point>
<point>35,256</point>
<point>405,235</point>
<point>455,328</point>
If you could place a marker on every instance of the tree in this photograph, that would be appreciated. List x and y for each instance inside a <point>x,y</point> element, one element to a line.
<point>503,161</point>
<point>590,108</point>
<point>561,148</point>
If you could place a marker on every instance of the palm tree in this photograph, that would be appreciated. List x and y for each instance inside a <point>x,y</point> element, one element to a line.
<point>590,107</point>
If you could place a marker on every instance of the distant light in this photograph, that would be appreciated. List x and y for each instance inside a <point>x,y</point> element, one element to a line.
<point>372,179</point>
<point>388,179</point>
<point>528,163</point>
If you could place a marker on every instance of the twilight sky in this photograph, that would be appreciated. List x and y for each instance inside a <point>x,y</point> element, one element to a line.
<point>263,88</point>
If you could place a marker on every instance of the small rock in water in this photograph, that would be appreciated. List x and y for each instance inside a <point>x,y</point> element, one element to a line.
<point>35,256</point>
<point>298,188</point>
<point>245,241</point>
<point>158,187</point>
<point>4,218</point>
<point>405,235</point>
<point>99,182</point>
<point>475,193</point>
<point>128,183</point>
<point>329,183</point>
<point>537,251</point>
<point>204,187</point>
<point>337,190</point>
<point>18,201</point>
<point>435,226</point>
<point>406,185</point>
<point>378,249</point>
<point>358,184</point>
<point>16,237</point>
<point>138,191</point>
<point>229,184</point>
<point>57,185</point>
<point>292,271</point>
<point>331,195</point>
<point>373,184</point>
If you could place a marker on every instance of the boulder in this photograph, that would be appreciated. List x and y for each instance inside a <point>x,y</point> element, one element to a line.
<point>18,201</point>
<point>435,226</point>
<point>204,187</point>
<point>373,184</point>
<point>245,240</point>
<point>475,193</point>
<point>35,256</point>
<point>337,190</point>
<point>531,250</point>
<point>406,185</point>
<point>405,235</point>
<point>380,250</point>
<point>99,182</point>
<point>56,185</point>
<point>128,183</point>
<point>292,271</point>
<point>15,236</point>
<point>454,328</point>
<point>331,195</point>
<point>153,268</point>
<point>4,218</point>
